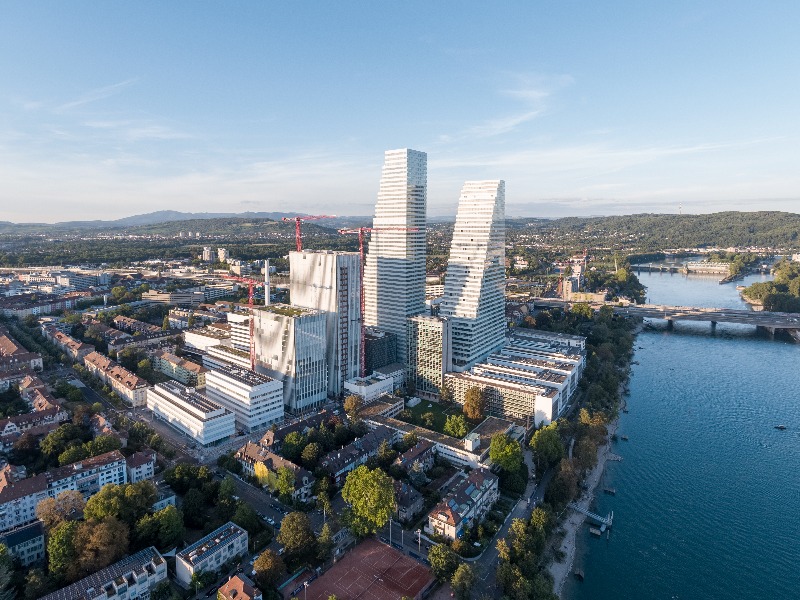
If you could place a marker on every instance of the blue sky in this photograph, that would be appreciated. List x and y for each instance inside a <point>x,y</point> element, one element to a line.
<point>109,109</point>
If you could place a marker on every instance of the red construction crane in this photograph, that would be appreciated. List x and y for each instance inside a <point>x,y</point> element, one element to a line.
<point>298,235</point>
<point>251,285</point>
<point>361,231</point>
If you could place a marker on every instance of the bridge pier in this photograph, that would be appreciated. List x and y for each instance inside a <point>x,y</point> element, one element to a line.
<point>713,325</point>
<point>670,324</point>
<point>769,331</point>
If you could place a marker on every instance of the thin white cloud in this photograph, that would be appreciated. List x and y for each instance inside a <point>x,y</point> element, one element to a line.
<point>97,94</point>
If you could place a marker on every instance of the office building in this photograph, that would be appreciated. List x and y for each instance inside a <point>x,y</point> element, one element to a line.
<point>210,552</point>
<point>255,399</point>
<point>474,286</point>
<point>429,354</point>
<point>290,346</point>
<point>240,330</point>
<point>208,254</point>
<point>217,357</point>
<point>380,349</point>
<point>369,388</point>
<point>331,282</point>
<point>394,274</point>
<point>131,578</point>
<point>191,413</point>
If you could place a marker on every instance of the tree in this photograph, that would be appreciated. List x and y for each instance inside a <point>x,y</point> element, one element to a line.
<point>194,508</point>
<point>100,544</point>
<point>547,446</point>
<point>386,455</point>
<point>297,535</point>
<point>61,548</point>
<point>163,528</point>
<point>165,323</point>
<point>462,581</point>
<point>72,454</point>
<point>505,453</point>
<point>311,455</point>
<point>352,405</point>
<point>54,511</point>
<point>293,445</point>
<point>102,444</point>
<point>445,394</point>
<point>325,543</point>
<point>585,454</point>
<point>285,482</point>
<point>410,440</point>
<point>128,502</point>
<point>6,570</point>
<point>370,494</point>
<point>456,426</point>
<point>584,310</point>
<point>474,404</point>
<point>38,584</point>
<point>564,486</point>
<point>247,518</point>
<point>269,568</point>
<point>444,561</point>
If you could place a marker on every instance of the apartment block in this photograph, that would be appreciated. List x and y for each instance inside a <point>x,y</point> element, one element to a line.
<point>141,466</point>
<point>25,543</point>
<point>125,384</point>
<point>339,463</point>
<point>210,552</point>
<point>465,505</point>
<point>180,369</point>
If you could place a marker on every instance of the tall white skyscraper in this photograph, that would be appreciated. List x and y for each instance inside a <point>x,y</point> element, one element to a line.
<point>394,274</point>
<point>474,286</point>
<point>331,281</point>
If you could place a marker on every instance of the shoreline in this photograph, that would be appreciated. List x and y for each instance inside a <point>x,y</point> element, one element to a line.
<point>560,571</point>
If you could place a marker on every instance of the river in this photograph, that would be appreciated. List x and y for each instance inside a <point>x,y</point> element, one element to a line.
<point>707,502</point>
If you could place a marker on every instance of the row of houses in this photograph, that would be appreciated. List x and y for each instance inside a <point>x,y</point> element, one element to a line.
<point>15,360</point>
<point>74,349</point>
<point>125,384</point>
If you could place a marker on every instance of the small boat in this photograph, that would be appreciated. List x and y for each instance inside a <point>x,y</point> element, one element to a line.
<point>624,438</point>
<point>781,427</point>
<point>595,531</point>
<point>610,491</point>
<point>578,574</point>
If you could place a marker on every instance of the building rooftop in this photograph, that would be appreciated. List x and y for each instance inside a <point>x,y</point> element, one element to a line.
<point>287,310</point>
<point>239,587</point>
<point>243,375</point>
<point>193,398</point>
<point>201,548</point>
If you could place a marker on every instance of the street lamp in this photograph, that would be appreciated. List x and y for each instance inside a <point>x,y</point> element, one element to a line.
<point>305,590</point>
<point>419,540</point>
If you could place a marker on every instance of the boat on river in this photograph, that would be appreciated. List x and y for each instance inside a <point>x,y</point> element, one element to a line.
<point>781,427</point>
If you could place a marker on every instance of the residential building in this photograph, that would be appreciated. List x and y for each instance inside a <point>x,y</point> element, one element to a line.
<point>290,344</point>
<point>255,399</point>
<point>14,356</point>
<point>25,543</point>
<point>73,348</point>
<point>208,254</point>
<point>130,325</point>
<point>131,578</point>
<point>239,587</point>
<point>264,465</point>
<point>419,457</point>
<point>222,255</point>
<point>339,463</point>
<point>210,552</point>
<point>369,388</point>
<point>408,502</point>
<point>331,282</point>
<point>429,354</point>
<point>380,349</point>
<point>140,466</point>
<point>394,273</point>
<point>125,384</point>
<point>465,505</point>
<point>185,371</point>
<point>191,413</point>
<point>273,438</point>
<point>474,286</point>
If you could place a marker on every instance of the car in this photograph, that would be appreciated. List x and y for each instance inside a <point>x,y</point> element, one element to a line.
<point>281,551</point>
<point>270,520</point>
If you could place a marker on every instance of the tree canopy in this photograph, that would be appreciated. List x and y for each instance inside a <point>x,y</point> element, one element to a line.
<point>505,452</point>
<point>370,494</point>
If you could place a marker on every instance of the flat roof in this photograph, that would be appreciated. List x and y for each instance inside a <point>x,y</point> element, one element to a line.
<point>243,375</point>
<point>207,545</point>
<point>192,398</point>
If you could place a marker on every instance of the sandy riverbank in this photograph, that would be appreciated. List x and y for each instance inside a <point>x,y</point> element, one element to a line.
<point>572,525</point>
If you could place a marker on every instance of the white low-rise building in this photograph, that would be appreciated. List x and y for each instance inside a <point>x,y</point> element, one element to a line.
<point>256,400</point>
<point>210,552</point>
<point>205,338</point>
<point>190,412</point>
<point>370,388</point>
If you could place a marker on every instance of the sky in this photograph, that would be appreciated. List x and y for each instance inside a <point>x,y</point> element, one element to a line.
<point>109,109</point>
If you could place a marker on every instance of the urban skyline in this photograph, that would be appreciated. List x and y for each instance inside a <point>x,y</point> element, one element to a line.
<point>119,110</point>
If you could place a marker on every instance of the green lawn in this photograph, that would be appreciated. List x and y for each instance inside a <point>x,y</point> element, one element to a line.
<point>439,414</point>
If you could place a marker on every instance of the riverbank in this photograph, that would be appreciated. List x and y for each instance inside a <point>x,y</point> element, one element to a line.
<point>560,571</point>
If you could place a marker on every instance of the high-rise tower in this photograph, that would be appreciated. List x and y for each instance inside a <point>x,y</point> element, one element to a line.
<point>394,274</point>
<point>331,281</point>
<point>474,286</point>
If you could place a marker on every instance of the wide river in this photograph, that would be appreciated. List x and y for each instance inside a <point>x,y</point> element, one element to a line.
<point>707,502</point>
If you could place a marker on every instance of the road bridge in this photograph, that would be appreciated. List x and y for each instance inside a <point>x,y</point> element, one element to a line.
<point>769,320</point>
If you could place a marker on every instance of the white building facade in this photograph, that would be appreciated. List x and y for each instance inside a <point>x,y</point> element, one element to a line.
<point>331,281</point>
<point>394,274</point>
<point>191,413</point>
<point>290,346</point>
<point>255,399</point>
<point>474,286</point>
<point>210,552</point>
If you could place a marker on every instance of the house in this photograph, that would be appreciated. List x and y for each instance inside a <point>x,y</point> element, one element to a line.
<point>239,587</point>
<point>210,552</point>
<point>409,502</point>
<point>465,505</point>
<point>140,466</point>
<point>419,457</point>
<point>264,464</point>
<point>340,462</point>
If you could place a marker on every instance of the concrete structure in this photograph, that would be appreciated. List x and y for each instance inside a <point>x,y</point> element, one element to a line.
<point>25,543</point>
<point>394,274</point>
<point>331,282</point>
<point>369,388</point>
<point>291,347</point>
<point>131,578</point>
<point>239,322</point>
<point>210,552</point>
<point>191,413</point>
<point>205,338</point>
<point>465,505</point>
<point>191,297</point>
<point>256,400</point>
<point>263,464</point>
<point>218,357</point>
<point>125,384</point>
<point>185,371</point>
<point>474,286</point>
<point>222,255</point>
<point>429,354</point>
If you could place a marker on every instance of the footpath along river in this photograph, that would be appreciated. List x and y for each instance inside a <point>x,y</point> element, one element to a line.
<point>707,502</point>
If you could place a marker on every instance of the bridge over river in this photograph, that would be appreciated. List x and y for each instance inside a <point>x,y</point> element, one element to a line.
<point>768,320</point>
